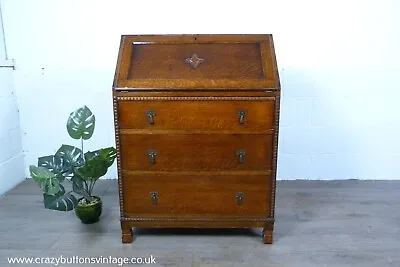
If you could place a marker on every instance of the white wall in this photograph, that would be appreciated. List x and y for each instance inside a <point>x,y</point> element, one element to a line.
<point>11,157</point>
<point>338,62</point>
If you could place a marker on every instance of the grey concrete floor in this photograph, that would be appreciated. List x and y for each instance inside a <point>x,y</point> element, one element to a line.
<point>318,223</point>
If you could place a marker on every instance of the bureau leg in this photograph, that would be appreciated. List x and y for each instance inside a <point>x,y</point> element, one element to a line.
<point>267,236</point>
<point>127,233</point>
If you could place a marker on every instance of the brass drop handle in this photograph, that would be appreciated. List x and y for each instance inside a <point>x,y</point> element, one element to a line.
<point>240,153</point>
<point>239,198</point>
<point>152,155</point>
<point>151,114</point>
<point>241,113</point>
<point>154,197</point>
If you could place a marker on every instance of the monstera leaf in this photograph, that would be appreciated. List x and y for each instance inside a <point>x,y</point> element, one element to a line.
<point>81,123</point>
<point>97,163</point>
<point>55,164</point>
<point>77,184</point>
<point>108,154</point>
<point>72,157</point>
<point>60,201</point>
<point>79,187</point>
<point>91,154</point>
<point>47,180</point>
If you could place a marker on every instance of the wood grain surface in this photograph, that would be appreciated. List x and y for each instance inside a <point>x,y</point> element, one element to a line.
<point>231,62</point>
<point>188,194</point>
<point>195,152</point>
<point>207,115</point>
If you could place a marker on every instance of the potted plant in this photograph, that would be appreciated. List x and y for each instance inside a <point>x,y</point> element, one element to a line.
<point>81,170</point>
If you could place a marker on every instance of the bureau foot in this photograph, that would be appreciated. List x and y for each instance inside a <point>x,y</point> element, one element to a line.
<point>127,233</point>
<point>267,236</point>
<point>127,236</point>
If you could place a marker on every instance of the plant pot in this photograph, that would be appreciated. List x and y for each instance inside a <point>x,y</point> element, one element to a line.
<point>89,213</point>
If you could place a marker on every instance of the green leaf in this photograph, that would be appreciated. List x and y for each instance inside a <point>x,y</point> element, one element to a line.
<point>55,164</point>
<point>93,169</point>
<point>60,201</point>
<point>91,154</point>
<point>77,184</point>
<point>97,163</point>
<point>47,180</point>
<point>108,154</point>
<point>81,123</point>
<point>72,157</point>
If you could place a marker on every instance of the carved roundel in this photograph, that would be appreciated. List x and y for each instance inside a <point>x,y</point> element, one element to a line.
<point>194,61</point>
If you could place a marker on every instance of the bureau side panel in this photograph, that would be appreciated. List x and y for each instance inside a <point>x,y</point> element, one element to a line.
<point>118,148</point>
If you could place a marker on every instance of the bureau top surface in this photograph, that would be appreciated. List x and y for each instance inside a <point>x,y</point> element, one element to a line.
<point>196,62</point>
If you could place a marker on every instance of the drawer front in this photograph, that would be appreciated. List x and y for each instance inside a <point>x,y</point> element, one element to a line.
<point>206,115</point>
<point>191,194</point>
<point>195,152</point>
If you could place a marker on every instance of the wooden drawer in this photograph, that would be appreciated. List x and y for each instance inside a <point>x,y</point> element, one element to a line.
<point>196,152</point>
<point>207,115</point>
<point>171,194</point>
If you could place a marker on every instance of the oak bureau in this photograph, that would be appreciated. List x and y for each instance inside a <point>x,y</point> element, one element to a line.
<point>196,129</point>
